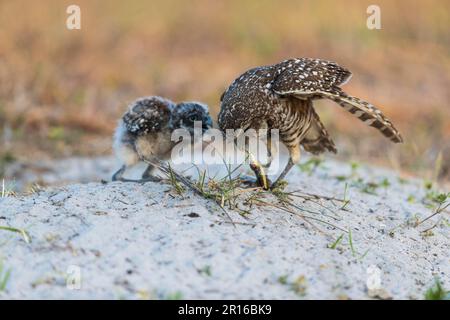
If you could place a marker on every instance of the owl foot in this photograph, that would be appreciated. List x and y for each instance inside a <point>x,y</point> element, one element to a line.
<point>118,176</point>
<point>254,182</point>
<point>149,179</point>
<point>279,185</point>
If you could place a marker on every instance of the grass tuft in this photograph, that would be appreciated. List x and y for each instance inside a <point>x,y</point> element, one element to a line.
<point>174,182</point>
<point>298,286</point>
<point>336,243</point>
<point>442,201</point>
<point>437,292</point>
<point>311,165</point>
<point>177,295</point>
<point>229,193</point>
<point>5,191</point>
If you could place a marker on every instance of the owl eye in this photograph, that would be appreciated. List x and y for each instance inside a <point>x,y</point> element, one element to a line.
<point>192,118</point>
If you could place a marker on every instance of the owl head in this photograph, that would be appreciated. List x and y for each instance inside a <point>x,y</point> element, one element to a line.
<point>186,114</point>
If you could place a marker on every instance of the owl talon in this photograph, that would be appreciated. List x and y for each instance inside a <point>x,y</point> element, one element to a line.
<point>261,177</point>
<point>146,177</point>
<point>149,179</point>
<point>264,182</point>
<point>141,181</point>
<point>254,182</point>
<point>248,180</point>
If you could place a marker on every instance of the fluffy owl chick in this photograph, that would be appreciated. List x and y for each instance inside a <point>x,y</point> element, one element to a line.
<point>144,132</point>
<point>281,96</point>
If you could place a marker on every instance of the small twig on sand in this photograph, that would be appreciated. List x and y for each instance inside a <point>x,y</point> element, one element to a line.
<point>237,222</point>
<point>286,198</point>
<point>304,217</point>
<point>432,227</point>
<point>311,196</point>
<point>310,211</point>
<point>438,210</point>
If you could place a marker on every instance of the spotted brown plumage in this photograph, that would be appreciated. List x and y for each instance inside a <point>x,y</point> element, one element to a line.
<point>148,114</point>
<point>281,96</point>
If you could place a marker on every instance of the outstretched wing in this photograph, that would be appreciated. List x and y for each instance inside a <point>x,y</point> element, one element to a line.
<point>148,114</point>
<point>321,79</point>
<point>309,75</point>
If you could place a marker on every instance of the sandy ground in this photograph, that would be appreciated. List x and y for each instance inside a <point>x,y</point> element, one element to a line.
<point>139,241</point>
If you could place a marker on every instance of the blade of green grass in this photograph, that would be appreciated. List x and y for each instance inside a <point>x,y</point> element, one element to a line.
<point>350,242</point>
<point>4,277</point>
<point>336,243</point>
<point>22,232</point>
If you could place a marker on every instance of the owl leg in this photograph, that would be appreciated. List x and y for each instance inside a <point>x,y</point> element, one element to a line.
<point>269,151</point>
<point>127,154</point>
<point>118,176</point>
<point>261,176</point>
<point>119,173</point>
<point>257,168</point>
<point>148,174</point>
<point>280,178</point>
<point>293,159</point>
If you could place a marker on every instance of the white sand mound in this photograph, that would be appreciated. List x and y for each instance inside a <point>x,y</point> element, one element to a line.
<point>125,240</point>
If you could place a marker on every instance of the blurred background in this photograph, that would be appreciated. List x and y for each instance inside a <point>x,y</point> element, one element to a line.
<point>62,91</point>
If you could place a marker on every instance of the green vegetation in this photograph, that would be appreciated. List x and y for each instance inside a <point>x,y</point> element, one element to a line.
<point>311,165</point>
<point>355,180</point>
<point>5,159</point>
<point>56,133</point>
<point>439,202</point>
<point>4,276</point>
<point>228,193</point>
<point>206,270</point>
<point>174,182</point>
<point>350,241</point>
<point>4,190</point>
<point>26,237</point>
<point>437,292</point>
<point>298,286</point>
<point>335,243</point>
<point>177,295</point>
<point>346,199</point>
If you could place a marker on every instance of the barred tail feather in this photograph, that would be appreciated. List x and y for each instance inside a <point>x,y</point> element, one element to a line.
<point>317,139</point>
<point>321,144</point>
<point>367,113</point>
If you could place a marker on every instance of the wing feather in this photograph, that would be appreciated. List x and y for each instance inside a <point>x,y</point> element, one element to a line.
<point>314,79</point>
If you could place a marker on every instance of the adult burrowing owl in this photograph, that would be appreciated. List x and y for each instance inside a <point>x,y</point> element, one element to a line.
<point>144,132</point>
<point>281,97</point>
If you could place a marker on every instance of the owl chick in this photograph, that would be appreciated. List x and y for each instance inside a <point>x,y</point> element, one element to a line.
<point>281,97</point>
<point>144,132</point>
